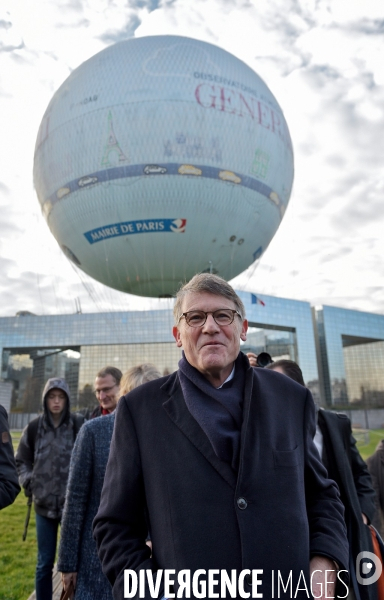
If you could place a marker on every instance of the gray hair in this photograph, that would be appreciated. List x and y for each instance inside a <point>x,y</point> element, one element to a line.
<point>210,284</point>
<point>137,375</point>
<point>113,371</point>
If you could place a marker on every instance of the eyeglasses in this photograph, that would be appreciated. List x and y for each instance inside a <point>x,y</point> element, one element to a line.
<point>222,316</point>
<point>105,390</point>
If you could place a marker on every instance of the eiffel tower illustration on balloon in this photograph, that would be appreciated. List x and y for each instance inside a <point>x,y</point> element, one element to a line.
<point>112,146</point>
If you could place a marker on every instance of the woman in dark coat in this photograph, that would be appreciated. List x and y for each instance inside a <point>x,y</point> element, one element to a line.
<point>77,551</point>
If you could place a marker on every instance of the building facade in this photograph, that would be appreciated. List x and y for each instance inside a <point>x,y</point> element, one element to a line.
<point>350,349</point>
<point>341,352</point>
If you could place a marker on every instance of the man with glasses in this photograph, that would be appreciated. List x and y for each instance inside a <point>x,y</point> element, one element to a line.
<point>218,460</point>
<point>107,391</point>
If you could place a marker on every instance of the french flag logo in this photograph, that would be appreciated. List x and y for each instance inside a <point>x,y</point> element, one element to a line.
<point>256,300</point>
<point>178,225</point>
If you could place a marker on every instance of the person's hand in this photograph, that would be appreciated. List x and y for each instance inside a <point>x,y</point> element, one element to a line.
<point>28,488</point>
<point>67,578</point>
<point>252,357</point>
<point>323,577</point>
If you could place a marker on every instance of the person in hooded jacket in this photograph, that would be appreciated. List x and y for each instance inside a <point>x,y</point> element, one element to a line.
<point>42,461</point>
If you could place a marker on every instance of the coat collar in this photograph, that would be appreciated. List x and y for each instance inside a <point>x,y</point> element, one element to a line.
<point>337,437</point>
<point>178,412</point>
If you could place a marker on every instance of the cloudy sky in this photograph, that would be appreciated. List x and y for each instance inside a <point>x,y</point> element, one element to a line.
<point>322,59</point>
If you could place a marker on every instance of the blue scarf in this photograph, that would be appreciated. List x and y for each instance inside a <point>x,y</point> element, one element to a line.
<point>219,412</point>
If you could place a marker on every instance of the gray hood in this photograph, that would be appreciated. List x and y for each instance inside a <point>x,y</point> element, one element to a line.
<point>61,384</point>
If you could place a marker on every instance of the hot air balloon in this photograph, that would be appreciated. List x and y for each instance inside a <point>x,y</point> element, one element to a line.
<point>161,157</point>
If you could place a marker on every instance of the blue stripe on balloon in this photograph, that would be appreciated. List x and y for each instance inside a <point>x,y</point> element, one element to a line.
<point>127,171</point>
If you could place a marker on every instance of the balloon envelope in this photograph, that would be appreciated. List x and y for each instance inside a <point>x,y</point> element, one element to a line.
<point>161,157</point>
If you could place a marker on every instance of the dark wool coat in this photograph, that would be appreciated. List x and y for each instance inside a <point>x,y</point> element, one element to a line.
<point>277,511</point>
<point>77,550</point>
<point>375,465</point>
<point>350,472</point>
<point>9,483</point>
<point>96,413</point>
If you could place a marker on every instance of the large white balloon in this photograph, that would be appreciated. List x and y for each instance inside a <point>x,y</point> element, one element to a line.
<point>161,157</point>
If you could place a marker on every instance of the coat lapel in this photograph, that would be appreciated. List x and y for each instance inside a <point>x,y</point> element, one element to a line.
<point>178,412</point>
<point>340,451</point>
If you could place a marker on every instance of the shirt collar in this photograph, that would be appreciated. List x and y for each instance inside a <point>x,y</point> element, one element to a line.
<point>230,376</point>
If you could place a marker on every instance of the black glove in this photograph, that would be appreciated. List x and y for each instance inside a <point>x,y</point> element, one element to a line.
<point>28,489</point>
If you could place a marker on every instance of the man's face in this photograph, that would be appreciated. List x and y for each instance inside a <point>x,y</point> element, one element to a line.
<point>56,401</point>
<point>107,392</point>
<point>211,349</point>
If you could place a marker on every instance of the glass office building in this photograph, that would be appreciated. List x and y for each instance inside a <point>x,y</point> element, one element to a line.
<point>350,348</point>
<point>341,352</point>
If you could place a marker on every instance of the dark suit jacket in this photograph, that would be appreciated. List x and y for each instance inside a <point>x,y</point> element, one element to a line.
<point>375,464</point>
<point>350,472</point>
<point>162,461</point>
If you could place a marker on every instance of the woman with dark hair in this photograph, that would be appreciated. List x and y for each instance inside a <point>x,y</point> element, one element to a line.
<point>289,368</point>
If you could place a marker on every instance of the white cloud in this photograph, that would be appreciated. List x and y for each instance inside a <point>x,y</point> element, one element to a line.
<point>323,61</point>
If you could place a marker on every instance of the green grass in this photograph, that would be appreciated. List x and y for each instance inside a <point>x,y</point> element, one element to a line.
<point>17,558</point>
<point>375,436</point>
<point>16,435</point>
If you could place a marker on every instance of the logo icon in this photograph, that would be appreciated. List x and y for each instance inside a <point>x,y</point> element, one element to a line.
<point>365,568</point>
<point>178,225</point>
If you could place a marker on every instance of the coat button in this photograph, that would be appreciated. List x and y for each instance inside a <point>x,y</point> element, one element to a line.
<point>242,503</point>
<point>248,580</point>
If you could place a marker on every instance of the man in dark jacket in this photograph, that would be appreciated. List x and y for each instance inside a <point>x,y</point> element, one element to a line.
<point>375,465</point>
<point>107,391</point>
<point>345,465</point>
<point>42,460</point>
<point>218,458</point>
<point>338,452</point>
<point>9,484</point>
